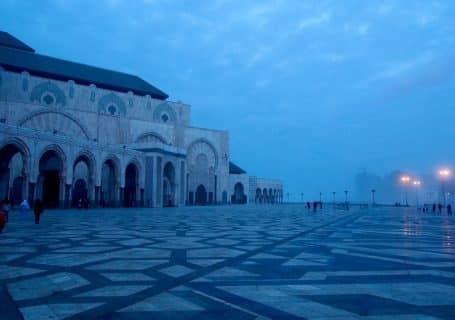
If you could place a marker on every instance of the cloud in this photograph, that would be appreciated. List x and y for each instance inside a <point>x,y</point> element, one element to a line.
<point>397,69</point>
<point>313,21</point>
<point>361,29</point>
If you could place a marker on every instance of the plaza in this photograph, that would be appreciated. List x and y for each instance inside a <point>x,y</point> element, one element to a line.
<point>228,262</point>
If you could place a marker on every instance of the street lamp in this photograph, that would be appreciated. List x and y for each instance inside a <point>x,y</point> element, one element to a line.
<point>444,174</point>
<point>417,184</point>
<point>334,194</point>
<point>405,181</point>
<point>372,196</point>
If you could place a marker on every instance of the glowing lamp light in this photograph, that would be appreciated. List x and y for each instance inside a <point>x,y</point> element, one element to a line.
<point>416,183</point>
<point>405,179</point>
<point>444,173</point>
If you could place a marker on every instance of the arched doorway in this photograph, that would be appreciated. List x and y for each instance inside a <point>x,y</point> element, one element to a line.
<point>239,195</point>
<point>258,196</point>
<point>201,195</point>
<point>83,169</point>
<point>13,167</point>
<point>17,191</point>
<point>169,185</point>
<point>131,183</point>
<point>50,178</point>
<point>109,184</point>
<point>264,196</point>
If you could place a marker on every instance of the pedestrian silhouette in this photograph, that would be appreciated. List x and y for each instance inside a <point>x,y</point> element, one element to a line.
<point>449,209</point>
<point>434,208</point>
<point>439,208</point>
<point>38,210</point>
<point>315,206</point>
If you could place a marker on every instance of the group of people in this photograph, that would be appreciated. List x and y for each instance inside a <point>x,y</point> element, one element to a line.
<point>24,207</point>
<point>316,205</point>
<point>439,208</point>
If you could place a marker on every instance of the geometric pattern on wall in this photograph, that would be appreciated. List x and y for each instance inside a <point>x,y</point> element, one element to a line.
<point>164,113</point>
<point>202,147</point>
<point>57,123</point>
<point>48,94</point>
<point>112,104</point>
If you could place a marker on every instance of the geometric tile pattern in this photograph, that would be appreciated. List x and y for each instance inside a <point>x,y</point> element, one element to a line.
<point>237,262</point>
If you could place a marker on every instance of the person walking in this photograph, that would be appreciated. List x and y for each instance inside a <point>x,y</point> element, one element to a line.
<point>5,207</point>
<point>38,210</point>
<point>315,206</point>
<point>449,209</point>
<point>439,208</point>
<point>24,207</point>
<point>434,208</point>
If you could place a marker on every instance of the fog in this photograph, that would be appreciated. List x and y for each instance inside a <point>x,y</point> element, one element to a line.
<point>314,93</point>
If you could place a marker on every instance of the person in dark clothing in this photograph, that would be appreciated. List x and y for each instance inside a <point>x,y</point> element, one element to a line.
<point>308,205</point>
<point>5,207</point>
<point>38,210</point>
<point>439,208</point>
<point>315,206</point>
<point>434,208</point>
<point>449,209</point>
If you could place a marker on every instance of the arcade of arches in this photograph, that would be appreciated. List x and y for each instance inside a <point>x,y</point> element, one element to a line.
<point>268,195</point>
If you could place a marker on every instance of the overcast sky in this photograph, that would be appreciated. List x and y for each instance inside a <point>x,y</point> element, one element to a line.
<point>311,92</point>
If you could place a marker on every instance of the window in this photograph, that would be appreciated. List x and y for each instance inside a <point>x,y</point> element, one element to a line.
<point>164,117</point>
<point>48,99</point>
<point>112,110</point>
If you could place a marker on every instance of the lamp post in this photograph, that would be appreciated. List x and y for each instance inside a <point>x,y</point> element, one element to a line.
<point>373,191</point>
<point>444,174</point>
<point>405,181</point>
<point>416,184</point>
<point>346,195</point>
<point>334,199</point>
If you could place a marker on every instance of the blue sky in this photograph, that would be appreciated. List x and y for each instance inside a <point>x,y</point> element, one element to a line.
<point>311,92</point>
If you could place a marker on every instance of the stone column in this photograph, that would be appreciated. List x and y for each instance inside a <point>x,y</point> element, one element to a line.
<point>159,182</point>
<point>121,197</point>
<point>68,197</point>
<point>31,193</point>
<point>182,183</point>
<point>97,197</point>
<point>149,192</point>
<point>62,192</point>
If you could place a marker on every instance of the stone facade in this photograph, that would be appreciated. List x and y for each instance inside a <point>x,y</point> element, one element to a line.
<point>62,141</point>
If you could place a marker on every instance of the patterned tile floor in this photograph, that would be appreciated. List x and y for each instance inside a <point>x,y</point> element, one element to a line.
<point>238,262</point>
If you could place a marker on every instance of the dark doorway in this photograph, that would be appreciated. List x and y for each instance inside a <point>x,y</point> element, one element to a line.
<point>201,195</point>
<point>50,165</point>
<point>168,185</point>
<point>79,191</point>
<point>131,178</point>
<point>51,189</point>
<point>16,195</point>
<point>109,189</point>
<point>239,195</point>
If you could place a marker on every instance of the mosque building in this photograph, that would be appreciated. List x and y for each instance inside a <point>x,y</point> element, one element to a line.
<point>70,131</point>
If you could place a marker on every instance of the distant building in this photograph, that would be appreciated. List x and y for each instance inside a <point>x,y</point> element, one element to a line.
<point>70,131</point>
<point>251,189</point>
